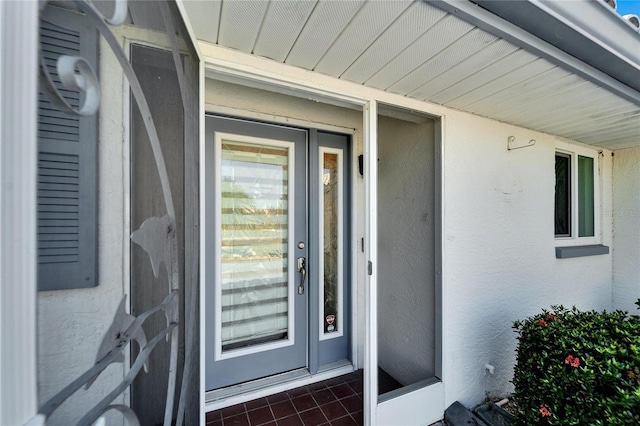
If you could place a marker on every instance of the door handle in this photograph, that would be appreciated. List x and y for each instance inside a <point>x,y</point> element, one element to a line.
<point>303,270</point>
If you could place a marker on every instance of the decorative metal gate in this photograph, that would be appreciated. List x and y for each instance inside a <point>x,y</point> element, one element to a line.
<point>160,237</point>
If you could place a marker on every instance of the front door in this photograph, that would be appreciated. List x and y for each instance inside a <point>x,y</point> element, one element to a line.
<point>275,286</point>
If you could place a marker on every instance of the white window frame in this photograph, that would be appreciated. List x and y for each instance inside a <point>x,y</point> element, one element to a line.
<point>575,150</point>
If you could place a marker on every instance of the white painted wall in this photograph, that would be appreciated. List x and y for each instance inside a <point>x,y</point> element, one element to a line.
<point>499,250</point>
<point>406,256</point>
<point>626,229</point>
<point>246,102</point>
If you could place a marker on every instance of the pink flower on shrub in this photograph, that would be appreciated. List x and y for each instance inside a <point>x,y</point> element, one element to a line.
<point>544,410</point>
<point>572,361</point>
<point>542,322</point>
<point>551,316</point>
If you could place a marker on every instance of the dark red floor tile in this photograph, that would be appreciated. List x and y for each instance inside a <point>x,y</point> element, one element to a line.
<point>256,403</point>
<point>282,409</point>
<point>316,386</point>
<point>291,421</point>
<point>313,417</point>
<point>233,410</point>
<point>239,420</point>
<point>344,421</point>
<point>304,402</point>
<point>342,391</point>
<point>213,415</point>
<point>333,410</point>
<point>300,406</point>
<point>334,381</point>
<point>298,391</point>
<point>353,376</point>
<point>260,416</point>
<point>356,385</point>
<point>323,396</point>
<point>282,396</point>
<point>352,404</point>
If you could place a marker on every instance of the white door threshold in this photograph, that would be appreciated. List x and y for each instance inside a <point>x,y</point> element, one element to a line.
<point>232,395</point>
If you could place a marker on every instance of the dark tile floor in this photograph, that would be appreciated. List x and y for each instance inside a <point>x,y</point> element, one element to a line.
<point>336,401</point>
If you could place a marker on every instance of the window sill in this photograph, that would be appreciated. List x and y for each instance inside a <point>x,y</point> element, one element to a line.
<point>581,251</point>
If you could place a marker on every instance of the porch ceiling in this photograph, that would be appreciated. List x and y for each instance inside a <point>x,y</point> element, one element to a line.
<point>418,50</point>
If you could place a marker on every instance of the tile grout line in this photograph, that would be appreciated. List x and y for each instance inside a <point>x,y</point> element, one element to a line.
<point>271,411</point>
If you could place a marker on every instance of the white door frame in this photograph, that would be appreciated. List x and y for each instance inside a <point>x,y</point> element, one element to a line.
<point>370,398</point>
<point>248,70</point>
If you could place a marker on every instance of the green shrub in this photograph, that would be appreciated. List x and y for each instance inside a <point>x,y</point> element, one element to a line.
<point>578,368</point>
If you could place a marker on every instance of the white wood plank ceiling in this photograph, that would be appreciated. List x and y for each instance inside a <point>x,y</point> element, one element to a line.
<point>417,50</point>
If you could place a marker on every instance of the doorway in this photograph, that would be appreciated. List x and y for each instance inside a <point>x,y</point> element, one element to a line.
<point>278,279</point>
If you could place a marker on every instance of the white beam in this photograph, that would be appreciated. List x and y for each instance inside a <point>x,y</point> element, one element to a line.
<point>18,150</point>
<point>371,256</point>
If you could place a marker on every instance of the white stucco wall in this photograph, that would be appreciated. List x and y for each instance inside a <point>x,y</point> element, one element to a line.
<point>626,229</point>
<point>242,101</point>
<point>499,250</point>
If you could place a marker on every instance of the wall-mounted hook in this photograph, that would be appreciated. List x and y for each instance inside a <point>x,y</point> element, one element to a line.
<point>511,143</point>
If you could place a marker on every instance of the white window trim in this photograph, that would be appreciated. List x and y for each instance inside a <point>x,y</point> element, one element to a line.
<point>575,150</point>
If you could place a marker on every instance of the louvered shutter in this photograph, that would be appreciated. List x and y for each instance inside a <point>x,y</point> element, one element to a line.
<point>67,165</point>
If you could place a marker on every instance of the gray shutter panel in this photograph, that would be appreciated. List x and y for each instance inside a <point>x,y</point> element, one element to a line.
<point>67,165</point>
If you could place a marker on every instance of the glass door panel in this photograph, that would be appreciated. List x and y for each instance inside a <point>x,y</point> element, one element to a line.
<point>254,244</point>
<point>331,267</point>
<point>332,325</point>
